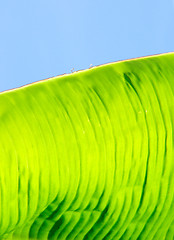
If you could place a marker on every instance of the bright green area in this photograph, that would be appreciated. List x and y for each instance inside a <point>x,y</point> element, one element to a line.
<point>90,155</point>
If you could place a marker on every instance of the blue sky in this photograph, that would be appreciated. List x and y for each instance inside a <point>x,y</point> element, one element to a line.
<point>41,39</point>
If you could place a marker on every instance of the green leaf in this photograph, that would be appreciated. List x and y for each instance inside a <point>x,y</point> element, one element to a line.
<point>90,155</point>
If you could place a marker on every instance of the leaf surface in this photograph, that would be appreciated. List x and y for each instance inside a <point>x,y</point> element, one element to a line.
<point>89,155</point>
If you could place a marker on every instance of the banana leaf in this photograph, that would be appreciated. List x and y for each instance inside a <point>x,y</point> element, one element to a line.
<point>90,155</point>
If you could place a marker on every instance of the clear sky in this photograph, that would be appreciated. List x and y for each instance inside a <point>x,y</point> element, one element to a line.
<point>41,39</point>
